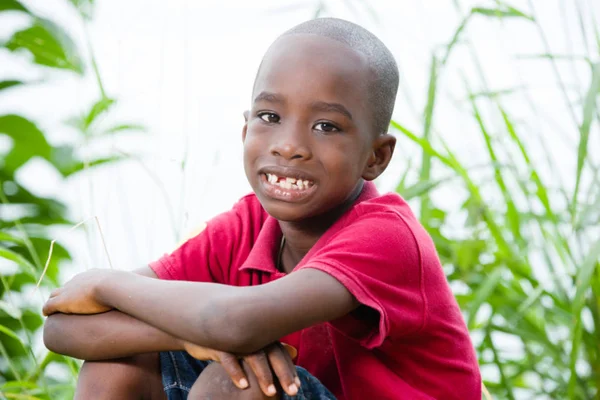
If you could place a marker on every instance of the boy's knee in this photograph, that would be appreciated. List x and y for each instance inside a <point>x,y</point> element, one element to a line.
<point>215,384</point>
<point>138,375</point>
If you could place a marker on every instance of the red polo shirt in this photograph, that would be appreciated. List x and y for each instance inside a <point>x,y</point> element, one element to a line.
<point>407,341</point>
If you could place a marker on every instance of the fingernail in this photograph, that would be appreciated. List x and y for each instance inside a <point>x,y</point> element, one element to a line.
<point>297,380</point>
<point>293,389</point>
<point>243,383</point>
<point>271,389</point>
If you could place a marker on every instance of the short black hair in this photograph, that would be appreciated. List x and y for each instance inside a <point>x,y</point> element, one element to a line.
<point>384,85</point>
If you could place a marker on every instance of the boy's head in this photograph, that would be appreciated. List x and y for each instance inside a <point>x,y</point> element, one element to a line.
<point>321,106</point>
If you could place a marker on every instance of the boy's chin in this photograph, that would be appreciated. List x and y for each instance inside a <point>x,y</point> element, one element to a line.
<point>287,212</point>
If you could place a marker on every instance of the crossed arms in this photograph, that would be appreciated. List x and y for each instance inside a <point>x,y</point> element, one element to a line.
<point>121,313</point>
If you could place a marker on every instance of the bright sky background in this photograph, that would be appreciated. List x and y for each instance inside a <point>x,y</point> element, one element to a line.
<point>185,68</point>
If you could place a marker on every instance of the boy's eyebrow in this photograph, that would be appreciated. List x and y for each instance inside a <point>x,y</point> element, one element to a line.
<point>317,105</point>
<point>270,97</point>
<point>331,107</point>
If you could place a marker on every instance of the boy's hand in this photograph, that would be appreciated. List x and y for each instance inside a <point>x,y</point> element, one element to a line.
<point>276,357</point>
<point>79,295</point>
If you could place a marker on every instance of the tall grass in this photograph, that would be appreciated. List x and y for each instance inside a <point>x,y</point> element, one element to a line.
<point>529,255</point>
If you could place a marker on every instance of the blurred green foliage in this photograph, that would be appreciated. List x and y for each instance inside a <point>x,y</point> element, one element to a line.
<point>25,218</point>
<point>528,265</point>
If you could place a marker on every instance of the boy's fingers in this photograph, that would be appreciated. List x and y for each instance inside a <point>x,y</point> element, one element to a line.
<point>293,353</point>
<point>49,308</point>
<point>232,366</point>
<point>283,367</point>
<point>260,365</point>
<point>290,349</point>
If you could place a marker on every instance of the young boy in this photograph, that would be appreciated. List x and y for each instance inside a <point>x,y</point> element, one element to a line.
<point>315,258</point>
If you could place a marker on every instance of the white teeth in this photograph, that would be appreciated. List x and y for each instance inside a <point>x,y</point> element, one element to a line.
<point>288,183</point>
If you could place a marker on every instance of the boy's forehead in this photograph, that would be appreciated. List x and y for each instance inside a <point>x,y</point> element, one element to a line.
<point>308,57</point>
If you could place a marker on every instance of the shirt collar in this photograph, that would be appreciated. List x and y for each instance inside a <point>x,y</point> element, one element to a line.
<point>264,252</point>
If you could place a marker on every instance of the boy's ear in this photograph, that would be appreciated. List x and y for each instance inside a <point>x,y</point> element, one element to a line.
<point>245,128</point>
<point>383,149</point>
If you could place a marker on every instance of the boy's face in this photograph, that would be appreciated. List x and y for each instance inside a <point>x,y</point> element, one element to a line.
<point>308,139</point>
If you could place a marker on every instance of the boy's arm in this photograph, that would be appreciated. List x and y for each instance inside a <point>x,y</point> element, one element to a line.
<point>105,336</point>
<point>226,318</point>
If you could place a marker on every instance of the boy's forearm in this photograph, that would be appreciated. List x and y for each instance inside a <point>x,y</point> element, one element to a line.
<point>191,311</point>
<point>228,318</point>
<point>233,319</point>
<point>104,336</point>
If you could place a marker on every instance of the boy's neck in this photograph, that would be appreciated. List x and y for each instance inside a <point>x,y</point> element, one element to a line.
<point>301,236</point>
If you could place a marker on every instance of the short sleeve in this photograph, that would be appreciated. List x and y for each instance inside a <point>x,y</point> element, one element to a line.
<point>208,256</point>
<point>376,257</point>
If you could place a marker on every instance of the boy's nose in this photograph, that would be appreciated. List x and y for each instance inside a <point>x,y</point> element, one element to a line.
<point>290,152</point>
<point>291,149</point>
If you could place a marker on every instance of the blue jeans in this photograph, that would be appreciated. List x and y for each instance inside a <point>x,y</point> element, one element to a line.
<point>180,370</point>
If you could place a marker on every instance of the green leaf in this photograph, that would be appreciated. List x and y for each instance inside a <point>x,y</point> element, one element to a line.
<point>49,45</point>
<point>584,276</point>
<point>32,320</point>
<point>457,34</point>
<point>508,12</point>
<point>512,213</point>
<point>68,170</point>
<point>12,5</point>
<point>18,281</point>
<point>125,127</point>
<point>589,109</point>
<point>9,84</point>
<point>5,237</point>
<point>425,172</point>
<point>11,334</point>
<point>418,189</point>
<point>18,259</point>
<point>8,386</point>
<point>85,7</point>
<point>99,108</point>
<point>582,284</point>
<point>11,310</point>
<point>28,141</point>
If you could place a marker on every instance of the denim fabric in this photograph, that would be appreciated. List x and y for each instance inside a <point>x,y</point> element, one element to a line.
<point>180,371</point>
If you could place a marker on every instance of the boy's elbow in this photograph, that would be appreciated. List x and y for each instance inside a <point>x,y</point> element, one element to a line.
<point>57,337</point>
<point>53,334</point>
<point>241,340</point>
<point>232,331</point>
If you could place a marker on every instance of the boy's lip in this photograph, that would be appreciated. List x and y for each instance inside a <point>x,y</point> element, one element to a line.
<point>287,172</point>
<point>289,195</point>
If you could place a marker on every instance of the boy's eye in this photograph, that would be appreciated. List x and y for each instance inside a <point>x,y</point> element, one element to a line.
<point>326,127</point>
<point>269,117</point>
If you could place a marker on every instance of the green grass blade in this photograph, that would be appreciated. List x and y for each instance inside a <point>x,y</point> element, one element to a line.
<point>508,12</point>
<point>482,294</point>
<point>584,130</point>
<point>425,173</point>
<point>512,213</point>
<point>583,285</point>
<point>584,276</point>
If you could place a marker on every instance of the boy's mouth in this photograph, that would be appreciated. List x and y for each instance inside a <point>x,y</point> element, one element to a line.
<point>287,188</point>
<point>289,183</point>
